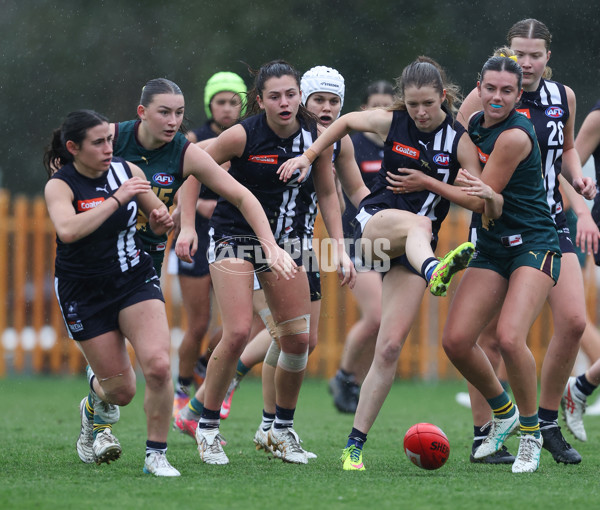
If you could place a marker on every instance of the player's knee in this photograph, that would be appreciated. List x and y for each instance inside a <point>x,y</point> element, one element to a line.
<point>157,371</point>
<point>119,390</point>
<point>454,347</point>
<point>388,349</point>
<point>291,362</point>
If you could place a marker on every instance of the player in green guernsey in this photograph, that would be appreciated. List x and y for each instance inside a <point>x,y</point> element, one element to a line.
<point>516,263</point>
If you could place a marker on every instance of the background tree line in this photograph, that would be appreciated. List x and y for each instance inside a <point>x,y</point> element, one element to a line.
<point>58,56</point>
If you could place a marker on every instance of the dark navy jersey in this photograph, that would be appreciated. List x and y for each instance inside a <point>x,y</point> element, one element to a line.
<point>204,132</point>
<point>548,110</point>
<point>306,209</point>
<point>256,169</point>
<point>114,247</point>
<point>369,157</point>
<point>596,152</point>
<point>435,154</point>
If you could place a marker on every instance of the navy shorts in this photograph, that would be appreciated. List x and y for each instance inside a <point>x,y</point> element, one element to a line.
<point>311,264</point>
<point>199,265</point>
<point>360,261</point>
<point>91,307</point>
<point>248,248</point>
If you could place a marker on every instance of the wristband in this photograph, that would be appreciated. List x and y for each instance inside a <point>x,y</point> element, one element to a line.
<point>310,155</point>
<point>112,196</point>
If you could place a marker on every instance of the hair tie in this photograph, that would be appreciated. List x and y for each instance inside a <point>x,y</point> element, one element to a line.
<point>513,57</point>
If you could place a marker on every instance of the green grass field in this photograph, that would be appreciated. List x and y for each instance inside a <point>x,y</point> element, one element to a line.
<point>39,467</point>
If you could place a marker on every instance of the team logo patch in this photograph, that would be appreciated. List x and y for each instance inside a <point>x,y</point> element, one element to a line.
<point>554,112</point>
<point>370,166</point>
<point>524,111</point>
<point>90,203</point>
<point>483,157</point>
<point>441,159</point>
<point>269,159</point>
<point>163,179</point>
<point>405,150</point>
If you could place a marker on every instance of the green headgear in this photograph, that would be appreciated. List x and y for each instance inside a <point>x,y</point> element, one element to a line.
<point>224,82</point>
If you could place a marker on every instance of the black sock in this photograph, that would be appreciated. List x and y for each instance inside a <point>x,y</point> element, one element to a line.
<point>547,417</point>
<point>356,438</point>
<point>585,386</point>
<point>155,446</point>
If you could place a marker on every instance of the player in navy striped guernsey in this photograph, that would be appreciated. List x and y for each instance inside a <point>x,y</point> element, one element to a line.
<point>256,148</point>
<point>398,231</point>
<point>106,284</point>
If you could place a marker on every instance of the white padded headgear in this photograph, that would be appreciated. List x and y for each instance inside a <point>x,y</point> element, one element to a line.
<point>322,79</point>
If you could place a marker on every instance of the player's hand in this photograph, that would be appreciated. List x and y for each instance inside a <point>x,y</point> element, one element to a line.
<point>186,244</point>
<point>587,234</point>
<point>346,270</point>
<point>130,188</point>
<point>288,168</point>
<point>408,180</point>
<point>474,186</point>
<point>279,261</point>
<point>585,187</point>
<point>160,220</point>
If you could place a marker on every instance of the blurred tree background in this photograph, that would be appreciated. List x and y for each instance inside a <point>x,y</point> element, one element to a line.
<point>61,55</point>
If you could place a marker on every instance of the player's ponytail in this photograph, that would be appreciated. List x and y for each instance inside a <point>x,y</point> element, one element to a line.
<point>74,128</point>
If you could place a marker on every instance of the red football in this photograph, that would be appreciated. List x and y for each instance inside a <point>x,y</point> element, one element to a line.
<point>426,446</point>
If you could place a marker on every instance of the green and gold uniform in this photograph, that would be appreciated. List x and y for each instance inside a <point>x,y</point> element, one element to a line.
<point>525,234</point>
<point>163,167</point>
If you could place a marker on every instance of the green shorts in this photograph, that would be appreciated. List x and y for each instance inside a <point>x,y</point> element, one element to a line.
<point>546,261</point>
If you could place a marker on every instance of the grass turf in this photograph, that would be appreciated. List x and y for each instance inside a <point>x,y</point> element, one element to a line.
<point>39,466</point>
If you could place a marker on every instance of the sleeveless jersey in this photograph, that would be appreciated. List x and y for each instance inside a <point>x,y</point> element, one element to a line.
<point>433,153</point>
<point>114,247</point>
<point>526,223</point>
<point>596,152</point>
<point>369,157</point>
<point>163,167</point>
<point>306,207</point>
<point>548,110</point>
<point>256,169</point>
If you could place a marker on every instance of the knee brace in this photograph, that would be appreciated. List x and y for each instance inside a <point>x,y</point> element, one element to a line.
<point>295,326</point>
<point>293,362</point>
<point>272,354</point>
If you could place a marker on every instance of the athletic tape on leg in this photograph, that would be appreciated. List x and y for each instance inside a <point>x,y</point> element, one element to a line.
<point>293,362</point>
<point>267,318</point>
<point>296,326</point>
<point>272,354</point>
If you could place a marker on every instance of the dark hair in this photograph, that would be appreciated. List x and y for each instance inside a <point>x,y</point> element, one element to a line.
<point>378,87</point>
<point>74,129</point>
<point>158,86</point>
<point>531,29</point>
<point>503,64</point>
<point>274,69</point>
<point>161,86</point>
<point>425,72</point>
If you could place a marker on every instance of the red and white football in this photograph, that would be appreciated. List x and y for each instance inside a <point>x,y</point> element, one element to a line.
<point>426,446</point>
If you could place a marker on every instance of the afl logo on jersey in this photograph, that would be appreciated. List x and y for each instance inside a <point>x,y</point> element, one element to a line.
<point>163,179</point>
<point>405,150</point>
<point>554,112</point>
<point>441,159</point>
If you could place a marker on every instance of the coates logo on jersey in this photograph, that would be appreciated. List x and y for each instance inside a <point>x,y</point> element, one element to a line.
<point>483,157</point>
<point>90,203</point>
<point>524,111</point>
<point>405,150</point>
<point>441,159</point>
<point>268,159</point>
<point>554,112</point>
<point>367,167</point>
<point>163,179</point>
